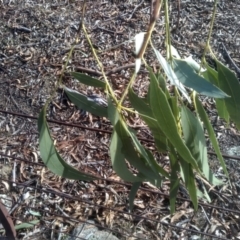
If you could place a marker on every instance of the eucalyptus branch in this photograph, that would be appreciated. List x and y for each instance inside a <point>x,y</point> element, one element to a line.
<point>140,54</point>
<point>151,26</point>
<point>207,46</point>
<point>167,27</point>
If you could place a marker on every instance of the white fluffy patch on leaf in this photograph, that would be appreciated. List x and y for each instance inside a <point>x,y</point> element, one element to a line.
<point>139,39</point>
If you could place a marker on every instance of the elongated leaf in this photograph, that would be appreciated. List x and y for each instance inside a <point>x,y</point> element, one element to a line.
<point>50,156</point>
<point>222,110</point>
<point>113,114</point>
<point>194,65</point>
<point>191,186</point>
<point>132,194</point>
<point>34,213</point>
<point>188,177</point>
<point>194,136</point>
<point>174,180</point>
<point>25,225</point>
<point>136,159</point>
<point>85,103</point>
<point>174,186</point>
<point>206,195</point>
<point>195,140</point>
<point>208,126</point>
<point>203,194</point>
<point>121,127</point>
<point>188,77</point>
<point>154,164</point>
<point>117,157</point>
<point>161,81</point>
<point>173,102</point>
<point>171,75</point>
<point>212,76</point>
<point>166,121</point>
<point>131,155</point>
<point>229,83</point>
<point>87,80</point>
<point>146,155</point>
<point>147,115</point>
<point>118,160</point>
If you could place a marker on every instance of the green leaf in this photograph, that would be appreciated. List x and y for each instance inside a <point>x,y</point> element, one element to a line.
<point>87,80</point>
<point>188,178</point>
<point>174,180</point>
<point>118,160</point>
<point>171,74</point>
<point>191,186</point>
<point>173,102</point>
<point>195,141</point>
<point>113,114</point>
<point>212,76</point>
<point>194,65</point>
<point>204,118</point>
<point>174,186</point>
<point>166,121</point>
<point>161,81</point>
<point>23,225</point>
<point>222,110</point>
<point>30,224</point>
<point>147,115</point>
<point>131,154</point>
<point>116,146</point>
<point>155,164</point>
<point>85,103</point>
<point>132,194</point>
<point>194,136</point>
<point>147,155</point>
<point>50,156</point>
<point>203,193</point>
<point>135,158</point>
<point>188,77</point>
<point>133,151</point>
<point>34,213</point>
<point>229,83</point>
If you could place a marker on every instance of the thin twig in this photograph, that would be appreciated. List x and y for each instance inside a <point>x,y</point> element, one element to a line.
<point>97,73</point>
<point>134,10</point>
<point>230,59</point>
<point>115,70</point>
<point>156,5</point>
<point>88,70</point>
